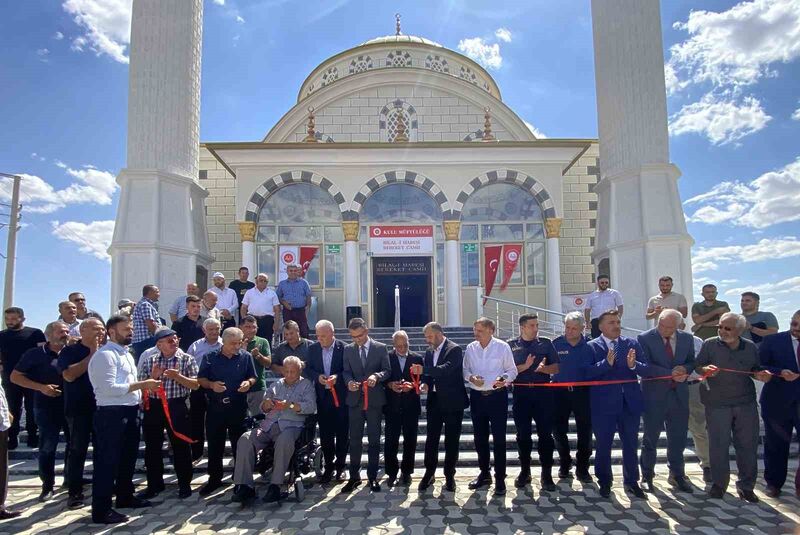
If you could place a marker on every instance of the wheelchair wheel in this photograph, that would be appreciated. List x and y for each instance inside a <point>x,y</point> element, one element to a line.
<point>299,489</point>
<point>317,462</point>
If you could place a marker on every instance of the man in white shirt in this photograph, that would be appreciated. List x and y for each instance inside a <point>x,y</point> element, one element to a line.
<point>227,302</point>
<point>112,373</point>
<point>599,301</point>
<point>262,303</point>
<point>665,299</point>
<point>488,368</point>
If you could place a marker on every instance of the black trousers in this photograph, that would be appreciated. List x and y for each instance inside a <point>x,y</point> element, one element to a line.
<point>223,420</point>
<point>397,422</point>
<point>451,420</point>
<point>490,415</point>
<point>373,418</point>
<point>197,421</point>
<point>51,422</point>
<point>777,443</point>
<point>17,397</point>
<point>116,429</point>
<point>266,324</point>
<point>333,434</point>
<point>537,405</point>
<point>153,426</point>
<point>81,434</point>
<point>575,402</point>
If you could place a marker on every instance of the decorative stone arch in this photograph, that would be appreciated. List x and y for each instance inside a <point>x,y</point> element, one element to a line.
<point>385,121</point>
<point>265,191</point>
<point>507,176</point>
<point>399,177</point>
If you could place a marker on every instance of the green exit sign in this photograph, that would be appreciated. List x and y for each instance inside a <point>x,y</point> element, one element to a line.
<point>470,247</point>
<point>333,249</point>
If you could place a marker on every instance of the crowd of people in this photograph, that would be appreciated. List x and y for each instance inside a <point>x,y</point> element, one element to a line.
<point>110,384</point>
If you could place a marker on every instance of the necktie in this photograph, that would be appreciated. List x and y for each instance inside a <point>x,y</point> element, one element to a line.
<point>668,349</point>
<point>364,357</point>
<point>614,350</point>
<point>798,357</point>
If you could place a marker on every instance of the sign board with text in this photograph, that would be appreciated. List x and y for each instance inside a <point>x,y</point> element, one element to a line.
<point>401,240</point>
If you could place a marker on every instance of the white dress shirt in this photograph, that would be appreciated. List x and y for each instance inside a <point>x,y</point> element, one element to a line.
<point>599,302</point>
<point>436,353</point>
<point>261,303</point>
<point>226,299</point>
<point>490,362</point>
<point>201,347</point>
<point>111,372</point>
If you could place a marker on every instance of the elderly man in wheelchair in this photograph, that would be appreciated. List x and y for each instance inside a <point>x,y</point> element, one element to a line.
<point>287,403</point>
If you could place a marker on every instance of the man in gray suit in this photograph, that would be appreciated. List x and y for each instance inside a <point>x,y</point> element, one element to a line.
<point>366,366</point>
<point>668,351</point>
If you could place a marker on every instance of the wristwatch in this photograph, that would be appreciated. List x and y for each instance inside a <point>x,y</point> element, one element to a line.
<point>291,406</point>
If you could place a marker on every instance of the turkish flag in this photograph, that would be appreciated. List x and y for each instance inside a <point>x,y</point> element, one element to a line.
<point>511,255</point>
<point>307,255</point>
<point>491,265</point>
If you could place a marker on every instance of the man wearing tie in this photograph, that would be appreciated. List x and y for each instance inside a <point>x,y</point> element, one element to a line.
<point>402,410</point>
<point>447,399</point>
<point>617,407</point>
<point>780,404</point>
<point>667,351</point>
<point>488,368</point>
<point>324,367</point>
<point>366,365</point>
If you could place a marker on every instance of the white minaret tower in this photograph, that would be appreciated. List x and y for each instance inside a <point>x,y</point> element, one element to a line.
<point>641,231</point>
<point>160,234</point>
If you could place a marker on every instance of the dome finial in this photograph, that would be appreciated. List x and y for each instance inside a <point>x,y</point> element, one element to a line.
<point>487,125</point>
<point>397,23</point>
<point>311,134</point>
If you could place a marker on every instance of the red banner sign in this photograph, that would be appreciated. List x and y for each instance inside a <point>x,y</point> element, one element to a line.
<point>307,254</point>
<point>511,255</point>
<point>491,265</point>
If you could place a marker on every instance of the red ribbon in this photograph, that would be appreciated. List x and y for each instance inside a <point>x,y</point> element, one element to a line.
<point>610,382</point>
<point>365,389</point>
<point>162,395</point>
<point>415,377</point>
<point>330,384</point>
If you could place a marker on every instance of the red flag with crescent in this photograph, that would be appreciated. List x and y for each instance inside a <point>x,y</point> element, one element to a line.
<point>307,255</point>
<point>511,255</point>
<point>491,265</point>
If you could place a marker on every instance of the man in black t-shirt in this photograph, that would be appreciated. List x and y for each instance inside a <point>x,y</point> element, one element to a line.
<point>38,371</point>
<point>241,285</point>
<point>15,340</point>
<point>190,327</point>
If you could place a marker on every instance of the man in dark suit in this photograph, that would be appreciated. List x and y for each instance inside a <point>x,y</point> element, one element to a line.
<point>667,351</point>
<point>366,365</point>
<point>443,374</point>
<point>780,404</point>
<point>325,366</point>
<point>618,407</point>
<point>402,410</point>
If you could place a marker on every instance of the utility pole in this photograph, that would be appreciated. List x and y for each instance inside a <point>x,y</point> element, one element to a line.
<point>11,247</point>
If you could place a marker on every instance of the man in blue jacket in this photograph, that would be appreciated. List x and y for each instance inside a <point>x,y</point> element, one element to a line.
<point>616,407</point>
<point>780,404</point>
<point>667,351</point>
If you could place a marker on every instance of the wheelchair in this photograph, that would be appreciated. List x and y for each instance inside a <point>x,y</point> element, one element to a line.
<point>307,457</point>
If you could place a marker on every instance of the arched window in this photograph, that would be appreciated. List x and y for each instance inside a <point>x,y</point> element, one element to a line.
<point>390,117</point>
<point>502,214</point>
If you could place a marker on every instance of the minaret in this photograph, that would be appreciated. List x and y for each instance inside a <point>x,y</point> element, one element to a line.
<point>160,235</point>
<point>641,231</point>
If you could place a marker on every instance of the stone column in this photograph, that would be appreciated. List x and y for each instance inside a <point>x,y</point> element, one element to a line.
<point>352,267</point>
<point>553,274</point>
<point>247,229</point>
<point>452,273</point>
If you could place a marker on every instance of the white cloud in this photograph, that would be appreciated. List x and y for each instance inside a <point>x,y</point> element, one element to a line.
<point>721,121</point>
<point>770,199</point>
<point>477,48</point>
<point>37,156</point>
<point>710,258</point>
<point>536,132</point>
<point>796,115</point>
<point>219,2</point>
<point>58,36</point>
<point>91,238</point>
<point>106,25</point>
<point>43,54</point>
<point>736,47</point>
<point>239,19</point>
<point>503,34</point>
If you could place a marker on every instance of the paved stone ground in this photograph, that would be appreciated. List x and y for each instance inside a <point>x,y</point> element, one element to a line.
<point>573,509</point>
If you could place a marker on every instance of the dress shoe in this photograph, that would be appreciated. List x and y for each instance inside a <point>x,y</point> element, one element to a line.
<point>340,475</point>
<point>150,492</point>
<point>563,472</point>
<point>524,478</point>
<point>243,494</point>
<point>500,486</point>
<point>605,491</point>
<point>75,501</point>
<point>374,486</point>
<point>326,477</point>
<point>647,484</point>
<point>350,486</point>
<point>583,476</point>
<point>636,490</point>
<point>111,517</point>
<point>450,484</point>
<point>184,493</point>
<point>46,495</point>
<point>134,502</point>
<point>209,487</point>
<point>5,514</point>
<point>707,475</point>
<point>13,443</point>
<point>273,494</point>
<point>748,496</point>
<point>483,480</point>
<point>426,481</point>
<point>772,492</point>
<point>390,481</point>
<point>680,483</point>
<point>716,492</point>
<point>405,479</point>
<point>547,483</point>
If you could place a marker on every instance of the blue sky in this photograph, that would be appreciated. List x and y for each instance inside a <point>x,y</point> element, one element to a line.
<point>733,78</point>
